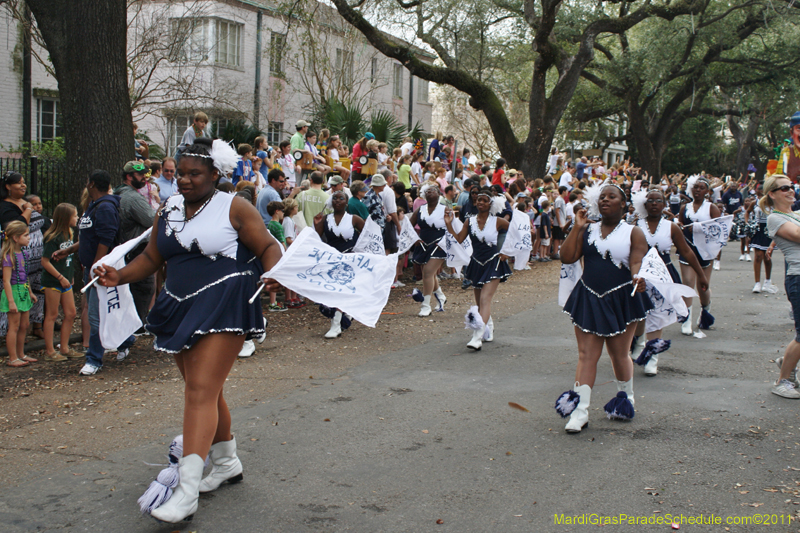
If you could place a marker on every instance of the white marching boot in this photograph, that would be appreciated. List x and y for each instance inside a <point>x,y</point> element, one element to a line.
<point>225,466</point>
<point>441,297</point>
<point>638,346</point>
<point>627,388</point>
<point>336,326</point>
<point>183,502</point>
<point>488,334</point>
<point>248,349</point>
<point>686,327</point>
<point>579,418</point>
<point>651,368</point>
<point>425,309</point>
<point>477,339</point>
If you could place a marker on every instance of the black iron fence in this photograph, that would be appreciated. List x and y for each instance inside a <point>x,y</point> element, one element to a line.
<point>45,178</point>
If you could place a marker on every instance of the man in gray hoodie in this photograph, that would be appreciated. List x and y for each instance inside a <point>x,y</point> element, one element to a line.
<point>135,216</point>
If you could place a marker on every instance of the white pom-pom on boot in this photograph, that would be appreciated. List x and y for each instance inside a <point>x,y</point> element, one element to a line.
<point>488,335</point>
<point>425,308</point>
<point>225,466</point>
<point>686,327</point>
<point>183,502</point>
<point>579,418</point>
<point>477,339</point>
<point>336,326</point>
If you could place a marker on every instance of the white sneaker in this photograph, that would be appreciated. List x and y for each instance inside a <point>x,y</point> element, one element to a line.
<point>757,287</point>
<point>716,264</point>
<point>248,349</point>
<point>792,375</point>
<point>747,258</point>
<point>122,354</point>
<point>89,370</point>
<point>741,257</point>
<point>769,287</point>
<point>785,389</point>
<point>399,283</point>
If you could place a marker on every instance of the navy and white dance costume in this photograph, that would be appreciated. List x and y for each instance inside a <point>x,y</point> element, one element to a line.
<point>211,276</point>
<point>760,240</point>
<point>701,215</point>
<point>342,236</point>
<point>601,302</point>
<point>431,230</point>
<point>485,264</point>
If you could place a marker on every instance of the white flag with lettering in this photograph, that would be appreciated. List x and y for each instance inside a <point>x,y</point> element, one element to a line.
<point>666,296</point>
<point>371,239</point>
<point>458,255</point>
<point>356,283</point>
<point>518,240</point>
<point>570,274</point>
<point>711,235</point>
<point>407,237</point>
<point>118,317</point>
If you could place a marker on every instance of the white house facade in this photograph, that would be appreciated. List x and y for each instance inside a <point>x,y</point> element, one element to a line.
<point>234,59</point>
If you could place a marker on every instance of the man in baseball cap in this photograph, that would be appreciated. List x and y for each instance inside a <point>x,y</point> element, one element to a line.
<point>299,138</point>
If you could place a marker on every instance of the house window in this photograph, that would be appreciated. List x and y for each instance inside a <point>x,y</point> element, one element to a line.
<point>277,45</point>
<point>228,49</point>
<point>190,40</point>
<point>219,127</point>
<point>422,91</point>
<point>274,133</point>
<point>373,75</point>
<point>397,86</point>
<point>48,119</point>
<point>344,66</point>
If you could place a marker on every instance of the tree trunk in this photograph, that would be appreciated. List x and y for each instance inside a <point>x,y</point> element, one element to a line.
<point>86,41</point>
<point>744,141</point>
<point>649,153</point>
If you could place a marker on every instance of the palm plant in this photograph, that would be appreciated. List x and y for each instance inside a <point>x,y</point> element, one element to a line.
<point>344,119</point>
<point>386,128</point>
<point>238,132</point>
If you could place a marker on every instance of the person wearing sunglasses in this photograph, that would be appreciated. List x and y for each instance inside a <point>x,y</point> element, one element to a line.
<point>783,226</point>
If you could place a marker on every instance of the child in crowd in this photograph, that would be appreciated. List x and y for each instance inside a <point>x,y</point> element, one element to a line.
<point>275,227</point>
<point>290,207</point>
<point>244,168</point>
<point>397,153</point>
<point>150,190</point>
<point>416,169</point>
<point>383,156</point>
<point>17,298</point>
<point>258,178</point>
<point>545,229</point>
<point>57,282</point>
<point>322,141</point>
<point>404,173</point>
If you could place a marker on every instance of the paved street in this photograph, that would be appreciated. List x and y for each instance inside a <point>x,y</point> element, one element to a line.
<point>413,437</point>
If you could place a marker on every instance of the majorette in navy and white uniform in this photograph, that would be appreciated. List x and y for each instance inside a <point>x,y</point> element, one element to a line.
<point>342,236</point>
<point>211,277</point>
<point>485,264</point>
<point>432,228</point>
<point>701,215</point>
<point>601,302</point>
<point>760,240</point>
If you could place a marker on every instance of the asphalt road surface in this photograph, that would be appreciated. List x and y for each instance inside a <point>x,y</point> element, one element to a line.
<point>425,440</point>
